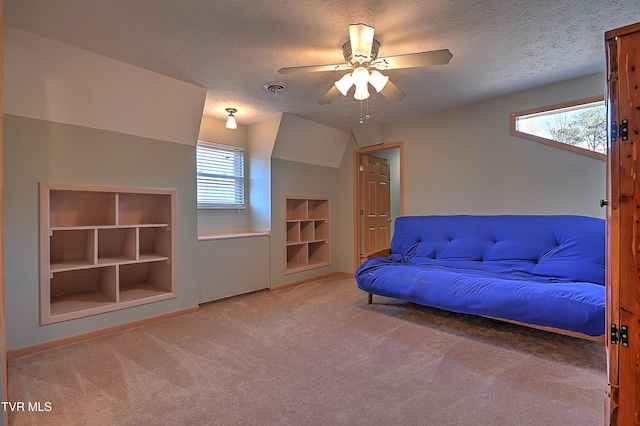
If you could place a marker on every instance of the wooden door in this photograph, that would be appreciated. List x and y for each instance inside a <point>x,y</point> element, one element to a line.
<point>623,225</point>
<point>376,204</point>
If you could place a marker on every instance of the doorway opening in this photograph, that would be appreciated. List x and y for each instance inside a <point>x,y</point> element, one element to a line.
<point>368,228</point>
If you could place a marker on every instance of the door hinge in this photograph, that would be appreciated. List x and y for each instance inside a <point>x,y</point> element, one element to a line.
<point>620,130</point>
<point>619,335</point>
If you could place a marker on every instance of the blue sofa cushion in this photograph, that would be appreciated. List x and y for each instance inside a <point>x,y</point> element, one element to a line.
<point>542,270</point>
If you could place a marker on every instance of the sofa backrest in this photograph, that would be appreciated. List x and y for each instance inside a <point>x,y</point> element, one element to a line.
<point>564,247</point>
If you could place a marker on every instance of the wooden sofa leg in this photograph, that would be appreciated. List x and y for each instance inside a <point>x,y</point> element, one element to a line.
<point>369,298</point>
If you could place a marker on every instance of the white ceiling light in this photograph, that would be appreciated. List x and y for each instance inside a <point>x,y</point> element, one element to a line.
<point>361,77</point>
<point>231,120</point>
<point>361,80</point>
<point>377,80</point>
<point>344,84</point>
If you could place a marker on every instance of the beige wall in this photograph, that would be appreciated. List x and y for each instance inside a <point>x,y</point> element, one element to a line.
<point>293,178</point>
<point>463,160</point>
<point>262,138</point>
<point>43,151</point>
<point>343,223</point>
<point>227,267</point>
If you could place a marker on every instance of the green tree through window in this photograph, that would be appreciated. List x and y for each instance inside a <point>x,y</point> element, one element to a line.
<point>580,124</point>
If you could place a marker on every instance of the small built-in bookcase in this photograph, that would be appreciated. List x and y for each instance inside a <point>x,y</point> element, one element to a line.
<point>307,233</point>
<point>104,248</point>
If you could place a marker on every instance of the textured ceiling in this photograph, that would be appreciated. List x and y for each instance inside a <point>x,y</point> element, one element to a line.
<point>233,47</point>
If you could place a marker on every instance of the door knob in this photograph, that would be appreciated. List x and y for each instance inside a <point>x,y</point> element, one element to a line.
<point>604,202</point>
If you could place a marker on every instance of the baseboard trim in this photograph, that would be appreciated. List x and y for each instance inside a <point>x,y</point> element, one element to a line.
<point>27,350</point>
<point>309,280</point>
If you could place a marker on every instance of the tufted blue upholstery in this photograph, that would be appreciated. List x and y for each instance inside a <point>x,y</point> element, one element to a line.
<point>543,270</point>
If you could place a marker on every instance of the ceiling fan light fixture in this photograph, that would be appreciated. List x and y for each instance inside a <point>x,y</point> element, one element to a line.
<point>231,120</point>
<point>377,80</point>
<point>344,84</point>
<point>361,51</point>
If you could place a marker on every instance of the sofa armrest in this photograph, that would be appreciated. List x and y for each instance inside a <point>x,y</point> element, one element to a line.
<point>379,253</point>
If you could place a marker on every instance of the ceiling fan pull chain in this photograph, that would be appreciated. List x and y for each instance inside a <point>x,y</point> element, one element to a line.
<point>366,116</point>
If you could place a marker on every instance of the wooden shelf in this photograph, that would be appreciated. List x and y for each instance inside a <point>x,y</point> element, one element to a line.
<point>307,233</point>
<point>103,249</point>
<point>70,304</point>
<point>70,266</point>
<point>140,291</point>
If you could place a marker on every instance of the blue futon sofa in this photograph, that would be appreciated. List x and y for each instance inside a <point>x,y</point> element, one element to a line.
<point>545,271</point>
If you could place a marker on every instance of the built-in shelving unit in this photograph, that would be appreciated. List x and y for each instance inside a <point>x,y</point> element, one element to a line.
<point>103,249</point>
<point>307,233</point>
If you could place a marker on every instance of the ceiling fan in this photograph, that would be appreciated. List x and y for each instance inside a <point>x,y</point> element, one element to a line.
<point>361,58</point>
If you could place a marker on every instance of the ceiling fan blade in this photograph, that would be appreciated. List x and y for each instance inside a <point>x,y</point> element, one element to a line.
<point>329,96</point>
<point>392,92</point>
<point>412,60</point>
<point>361,38</point>
<point>313,68</point>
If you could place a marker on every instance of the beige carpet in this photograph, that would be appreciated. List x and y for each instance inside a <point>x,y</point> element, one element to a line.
<point>317,354</point>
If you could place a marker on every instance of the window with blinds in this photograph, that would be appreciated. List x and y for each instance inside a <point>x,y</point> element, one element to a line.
<point>220,174</point>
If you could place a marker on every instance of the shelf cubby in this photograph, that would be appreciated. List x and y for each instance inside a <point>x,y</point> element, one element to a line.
<point>307,233</point>
<point>321,231</point>
<point>306,230</point>
<point>117,245</point>
<point>296,209</point>
<point>71,249</point>
<point>318,209</point>
<point>81,208</point>
<point>83,289</point>
<point>154,242</point>
<point>140,281</point>
<point>297,256</point>
<point>293,232</point>
<point>104,248</point>
<point>318,252</point>
<point>137,209</point>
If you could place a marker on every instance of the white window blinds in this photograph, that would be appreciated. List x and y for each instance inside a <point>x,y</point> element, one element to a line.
<point>220,171</point>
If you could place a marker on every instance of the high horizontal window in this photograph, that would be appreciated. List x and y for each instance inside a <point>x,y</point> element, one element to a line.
<point>578,126</point>
<point>220,174</point>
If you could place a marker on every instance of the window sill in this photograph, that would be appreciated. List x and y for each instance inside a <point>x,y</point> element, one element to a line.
<point>225,235</point>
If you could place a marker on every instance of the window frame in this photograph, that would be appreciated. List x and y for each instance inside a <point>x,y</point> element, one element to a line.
<point>239,180</point>
<point>515,115</point>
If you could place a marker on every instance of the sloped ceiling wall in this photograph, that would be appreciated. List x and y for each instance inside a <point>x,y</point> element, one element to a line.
<point>304,141</point>
<point>57,82</point>
<point>48,80</point>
